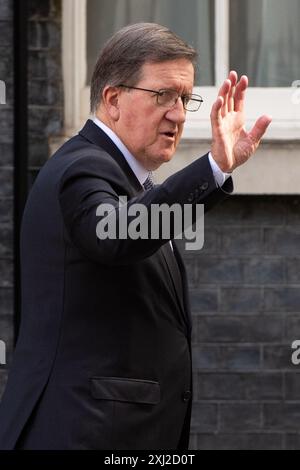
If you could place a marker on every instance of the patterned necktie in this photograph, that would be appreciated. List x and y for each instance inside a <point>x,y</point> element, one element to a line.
<point>149,182</point>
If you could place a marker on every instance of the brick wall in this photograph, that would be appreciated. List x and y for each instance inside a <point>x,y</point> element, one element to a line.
<point>245,290</point>
<point>45,121</point>
<point>45,79</point>
<point>6,185</point>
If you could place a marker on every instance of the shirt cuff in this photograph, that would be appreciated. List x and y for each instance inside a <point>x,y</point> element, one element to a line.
<point>219,175</point>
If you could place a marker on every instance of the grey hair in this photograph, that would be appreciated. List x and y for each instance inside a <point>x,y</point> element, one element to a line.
<point>124,54</point>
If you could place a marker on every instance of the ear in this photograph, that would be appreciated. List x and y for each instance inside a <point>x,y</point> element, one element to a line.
<point>110,100</point>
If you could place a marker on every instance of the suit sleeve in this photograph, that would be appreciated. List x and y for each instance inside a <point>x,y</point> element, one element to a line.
<point>89,195</point>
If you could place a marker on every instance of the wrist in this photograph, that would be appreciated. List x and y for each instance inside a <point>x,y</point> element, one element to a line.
<point>220,165</point>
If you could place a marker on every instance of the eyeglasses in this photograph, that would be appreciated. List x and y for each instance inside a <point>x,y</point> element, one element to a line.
<point>168,98</point>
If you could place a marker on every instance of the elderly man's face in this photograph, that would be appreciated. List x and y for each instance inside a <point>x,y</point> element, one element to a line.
<point>151,132</point>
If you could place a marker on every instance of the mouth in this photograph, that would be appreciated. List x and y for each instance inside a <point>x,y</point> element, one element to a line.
<point>170,135</point>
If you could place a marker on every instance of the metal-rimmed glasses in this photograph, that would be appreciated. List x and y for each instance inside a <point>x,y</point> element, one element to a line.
<point>168,98</point>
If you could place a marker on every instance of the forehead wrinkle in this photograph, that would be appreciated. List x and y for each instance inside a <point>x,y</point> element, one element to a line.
<point>171,75</point>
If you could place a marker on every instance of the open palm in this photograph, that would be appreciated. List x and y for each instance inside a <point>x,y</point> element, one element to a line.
<point>232,145</point>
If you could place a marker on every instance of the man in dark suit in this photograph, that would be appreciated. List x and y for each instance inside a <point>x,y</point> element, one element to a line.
<point>103,359</point>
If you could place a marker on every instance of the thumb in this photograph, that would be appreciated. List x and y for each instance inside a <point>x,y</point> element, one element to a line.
<point>260,128</point>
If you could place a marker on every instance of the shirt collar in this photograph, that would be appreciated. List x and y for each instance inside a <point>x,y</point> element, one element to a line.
<point>140,172</point>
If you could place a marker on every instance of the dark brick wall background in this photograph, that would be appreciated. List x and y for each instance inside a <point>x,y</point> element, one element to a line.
<point>45,88</point>
<point>245,291</point>
<point>45,110</point>
<point>6,184</point>
<point>245,284</point>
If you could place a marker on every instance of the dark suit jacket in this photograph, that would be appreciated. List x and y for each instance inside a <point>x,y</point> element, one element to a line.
<point>103,357</point>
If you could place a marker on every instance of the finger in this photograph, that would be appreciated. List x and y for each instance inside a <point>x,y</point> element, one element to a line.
<point>233,77</point>
<point>260,128</point>
<point>216,112</point>
<point>224,91</point>
<point>224,109</point>
<point>229,103</point>
<point>240,93</point>
<point>231,99</point>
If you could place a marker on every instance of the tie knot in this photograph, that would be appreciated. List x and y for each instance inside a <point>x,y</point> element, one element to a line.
<point>149,182</point>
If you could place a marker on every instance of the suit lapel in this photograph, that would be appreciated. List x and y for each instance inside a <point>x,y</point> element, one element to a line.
<point>96,136</point>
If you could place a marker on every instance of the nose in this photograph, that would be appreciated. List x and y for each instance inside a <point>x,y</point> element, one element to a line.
<point>177,113</point>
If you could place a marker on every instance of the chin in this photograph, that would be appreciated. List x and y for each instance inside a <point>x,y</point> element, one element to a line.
<point>156,161</point>
<point>156,164</point>
<point>167,156</point>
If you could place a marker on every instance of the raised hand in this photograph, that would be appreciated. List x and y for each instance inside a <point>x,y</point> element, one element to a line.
<point>232,145</point>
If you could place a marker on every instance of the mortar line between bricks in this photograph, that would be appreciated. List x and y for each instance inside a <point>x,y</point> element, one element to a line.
<point>233,372</point>
<point>245,432</point>
<point>240,285</point>
<point>237,255</point>
<point>239,371</point>
<point>238,344</point>
<point>225,371</point>
<point>244,402</point>
<point>224,314</point>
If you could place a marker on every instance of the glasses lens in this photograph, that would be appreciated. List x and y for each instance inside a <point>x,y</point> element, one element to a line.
<point>167,97</point>
<point>170,97</point>
<point>193,102</point>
